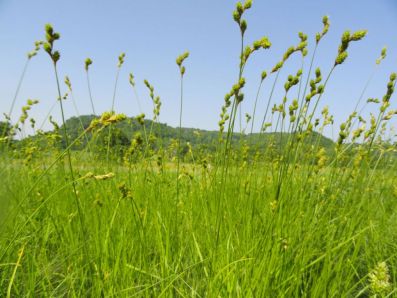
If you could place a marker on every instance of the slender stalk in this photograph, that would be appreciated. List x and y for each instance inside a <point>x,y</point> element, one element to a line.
<point>14,272</point>
<point>301,104</point>
<point>67,144</point>
<point>178,157</point>
<point>228,142</point>
<point>269,100</point>
<point>140,111</point>
<point>256,101</point>
<point>115,88</point>
<point>79,117</point>
<point>69,157</point>
<point>18,87</point>
<point>112,110</point>
<point>25,67</point>
<point>89,92</point>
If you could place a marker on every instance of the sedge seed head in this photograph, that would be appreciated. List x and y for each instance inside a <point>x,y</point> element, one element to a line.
<point>379,279</point>
<point>288,53</point>
<point>265,43</point>
<point>48,29</point>
<point>131,80</point>
<point>104,176</point>
<point>247,4</point>
<point>31,54</point>
<point>318,72</point>
<point>243,26</point>
<point>318,37</point>
<point>236,16</point>
<point>247,117</point>
<point>277,66</point>
<point>341,58</point>
<point>147,84</point>
<point>121,60</point>
<point>239,98</point>
<point>382,56</point>
<point>181,58</point>
<point>247,52</point>
<point>325,29</point>
<point>47,47</point>
<point>239,8</point>
<point>56,56</point>
<point>68,83</point>
<point>56,36</point>
<point>87,63</point>
<point>344,41</point>
<point>263,75</point>
<point>302,36</point>
<point>383,53</point>
<point>325,20</point>
<point>358,35</point>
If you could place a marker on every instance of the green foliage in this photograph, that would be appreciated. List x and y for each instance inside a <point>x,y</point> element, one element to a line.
<point>5,128</point>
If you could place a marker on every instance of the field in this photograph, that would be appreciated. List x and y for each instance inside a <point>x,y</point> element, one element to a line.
<point>107,205</point>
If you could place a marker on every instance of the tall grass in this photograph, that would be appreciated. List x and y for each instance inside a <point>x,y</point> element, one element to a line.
<point>262,215</point>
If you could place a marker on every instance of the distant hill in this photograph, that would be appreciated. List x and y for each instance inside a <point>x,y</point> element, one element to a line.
<point>123,133</point>
<point>194,136</point>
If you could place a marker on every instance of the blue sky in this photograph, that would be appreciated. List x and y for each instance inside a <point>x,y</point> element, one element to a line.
<point>153,33</point>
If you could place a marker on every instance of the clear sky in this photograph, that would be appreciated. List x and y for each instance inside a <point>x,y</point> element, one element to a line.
<point>153,33</point>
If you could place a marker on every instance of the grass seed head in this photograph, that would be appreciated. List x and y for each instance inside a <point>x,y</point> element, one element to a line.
<point>243,26</point>
<point>131,80</point>
<point>247,4</point>
<point>87,63</point>
<point>263,75</point>
<point>240,8</point>
<point>341,58</point>
<point>34,52</point>
<point>181,58</point>
<point>358,35</point>
<point>51,36</point>
<point>141,119</point>
<point>121,60</point>
<point>68,83</point>
<point>326,24</point>
<point>247,117</point>
<point>236,16</point>
<point>277,67</point>
<point>379,279</point>
<point>382,56</point>
<point>104,176</point>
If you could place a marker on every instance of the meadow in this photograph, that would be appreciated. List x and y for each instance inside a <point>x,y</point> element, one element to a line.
<point>110,205</point>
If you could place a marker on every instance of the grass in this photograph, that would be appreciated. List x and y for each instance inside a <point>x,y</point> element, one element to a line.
<point>146,220</point>
<point>312,241</point>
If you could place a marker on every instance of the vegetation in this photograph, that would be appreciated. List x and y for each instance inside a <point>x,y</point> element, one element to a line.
<point>6,129</point>
<point>108,205</point>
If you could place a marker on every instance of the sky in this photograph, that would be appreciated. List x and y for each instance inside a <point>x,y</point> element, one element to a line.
<point>153,33</point>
